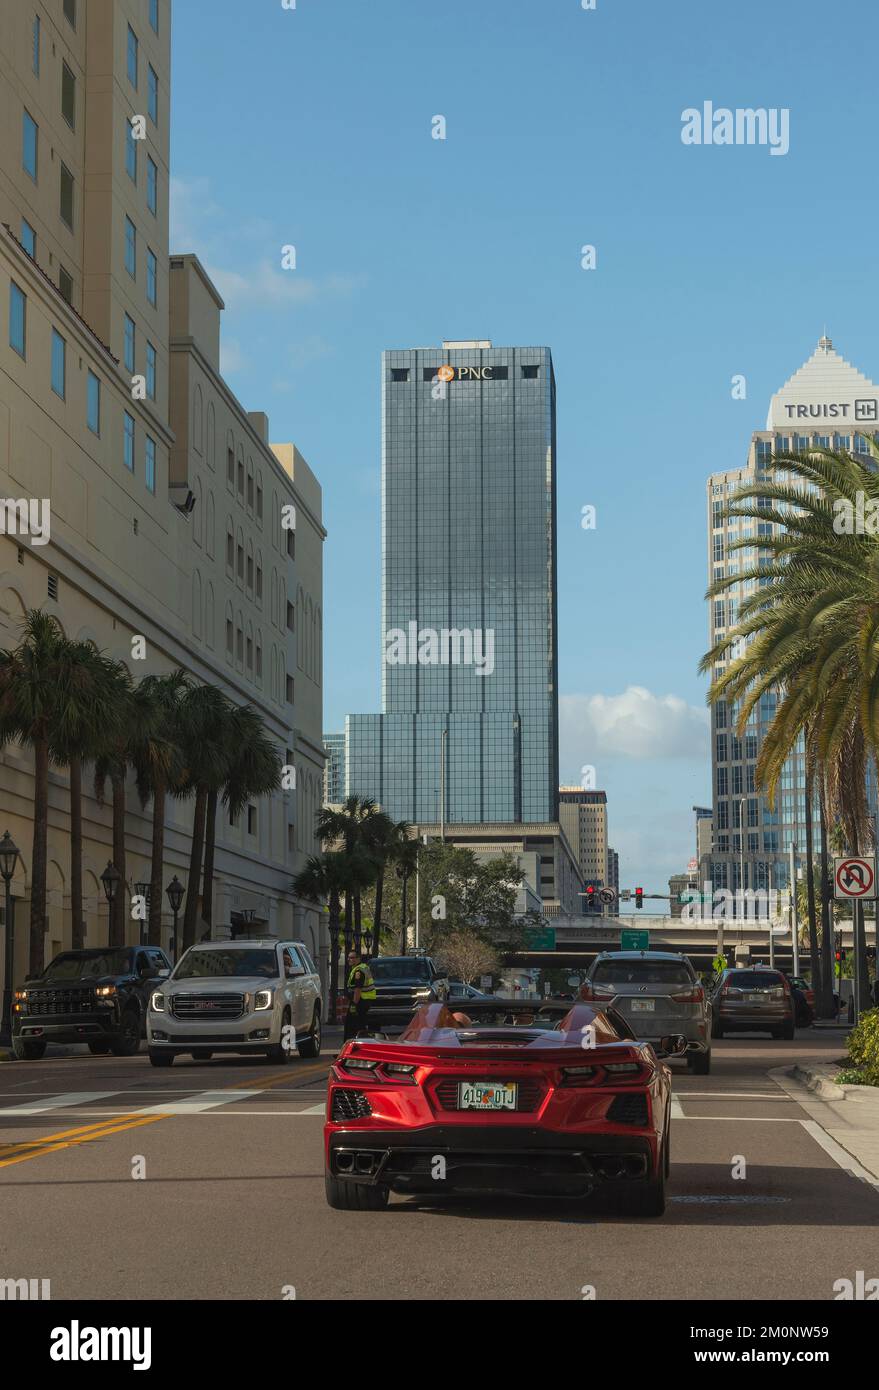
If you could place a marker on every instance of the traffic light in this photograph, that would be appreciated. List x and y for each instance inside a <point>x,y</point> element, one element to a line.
<point>590,897</point>
<point>639,897</point>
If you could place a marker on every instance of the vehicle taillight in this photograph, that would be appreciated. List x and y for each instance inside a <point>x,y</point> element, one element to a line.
<point>599,992</point>
<point>730,989</point>
<point>578,1076</point>
<point>690,996</point>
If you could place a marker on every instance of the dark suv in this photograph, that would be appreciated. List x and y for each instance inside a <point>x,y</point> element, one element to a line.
<point>402,985</point>
<point>753,1000</point>
<point>98,997</point>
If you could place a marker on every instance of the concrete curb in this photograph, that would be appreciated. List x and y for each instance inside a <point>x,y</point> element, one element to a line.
<point>822,1086</point>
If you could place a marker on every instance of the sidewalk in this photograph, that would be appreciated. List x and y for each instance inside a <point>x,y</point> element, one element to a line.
<point>848,1115</point>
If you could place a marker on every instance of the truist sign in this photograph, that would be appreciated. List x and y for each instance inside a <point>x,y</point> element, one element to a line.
<point>864,408</point>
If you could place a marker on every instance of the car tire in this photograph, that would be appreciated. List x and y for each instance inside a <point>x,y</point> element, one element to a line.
<point>29,1051</point>
<point>648,1198</point>
<point>355,1196</point>
<point>278,1053</point>
<point>201,1054</point>
<point>99,1049</point>
<point>701,1063</point>
<point>127,1042</point>
<point>788,1032</point>
<point>309,1046</point>
<point>161,1059</point>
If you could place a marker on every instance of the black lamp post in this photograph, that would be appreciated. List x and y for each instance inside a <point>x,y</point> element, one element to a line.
<point>403,876</point>
<point>9,854</point>
<point>175,891</point>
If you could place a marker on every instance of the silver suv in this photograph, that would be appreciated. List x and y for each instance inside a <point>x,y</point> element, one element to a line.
<point>657,993</point>
<point>237,996</point>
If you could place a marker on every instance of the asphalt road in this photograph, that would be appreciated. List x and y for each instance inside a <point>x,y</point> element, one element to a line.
<point>118,1180</point>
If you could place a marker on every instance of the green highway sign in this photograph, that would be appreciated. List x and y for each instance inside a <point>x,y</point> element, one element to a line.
<point>541,939</point>
<point>634,940</point>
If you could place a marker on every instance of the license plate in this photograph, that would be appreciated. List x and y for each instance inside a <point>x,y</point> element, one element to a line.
<point>643,1006</point>
<point>487,1095</point>
<point>756,999</point>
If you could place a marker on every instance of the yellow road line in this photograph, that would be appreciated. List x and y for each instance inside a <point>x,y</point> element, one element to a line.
<point>53,1142</point>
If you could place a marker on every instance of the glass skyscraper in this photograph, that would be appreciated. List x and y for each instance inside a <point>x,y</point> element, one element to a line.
<point>469,728</point>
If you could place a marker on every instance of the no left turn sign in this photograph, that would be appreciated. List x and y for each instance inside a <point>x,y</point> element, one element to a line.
<point>855,877</point>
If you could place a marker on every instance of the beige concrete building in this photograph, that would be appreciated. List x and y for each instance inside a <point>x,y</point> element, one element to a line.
<point>553,883</point>
<point>167,504</point>
<point>583,816</point>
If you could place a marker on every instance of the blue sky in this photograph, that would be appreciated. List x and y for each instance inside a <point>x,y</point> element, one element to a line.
<point>312,127</point>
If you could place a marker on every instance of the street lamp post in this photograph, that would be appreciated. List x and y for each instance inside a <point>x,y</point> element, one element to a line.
<point>175,891</point>
<point>742,854</point>
<point>111,878</point>
<point>143,891</point>
<point>9,854</point>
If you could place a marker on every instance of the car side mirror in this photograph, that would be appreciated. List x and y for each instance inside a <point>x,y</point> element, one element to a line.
<point>294,972</point>
<point>162,974</point>
<point>674,1045</point>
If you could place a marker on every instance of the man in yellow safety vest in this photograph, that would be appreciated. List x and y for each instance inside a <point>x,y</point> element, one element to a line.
<point>361,993</point>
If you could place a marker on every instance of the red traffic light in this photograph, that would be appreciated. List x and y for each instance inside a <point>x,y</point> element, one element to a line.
<point>639,897</point>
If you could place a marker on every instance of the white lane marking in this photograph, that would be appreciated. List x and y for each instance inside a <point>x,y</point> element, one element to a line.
<point>56,1102</point>
<point>314,1110</point>
<point>839,1155</point>
<point>732,1095</point>
<point>742,1119</point>
<point>202,1100</point>
<point>677,1112</point>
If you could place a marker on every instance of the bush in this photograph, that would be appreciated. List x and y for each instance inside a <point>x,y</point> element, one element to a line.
<point>863,1048</point>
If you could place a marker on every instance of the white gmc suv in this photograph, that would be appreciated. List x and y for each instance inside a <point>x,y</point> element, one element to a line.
<point>237,996</point>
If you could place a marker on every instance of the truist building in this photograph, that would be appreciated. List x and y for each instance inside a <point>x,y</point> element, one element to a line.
<point>469,729</point>
<point>830,404</point>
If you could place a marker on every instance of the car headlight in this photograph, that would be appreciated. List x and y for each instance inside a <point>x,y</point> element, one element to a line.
<point>262,999</point>
<point>423,993</point>
<point>157,1002</point>
<point>105,991</point>
<point>21,994</point>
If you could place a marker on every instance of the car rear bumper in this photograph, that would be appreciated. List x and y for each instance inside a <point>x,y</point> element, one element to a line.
<point>749,1021</point>
<point>500,1159</point>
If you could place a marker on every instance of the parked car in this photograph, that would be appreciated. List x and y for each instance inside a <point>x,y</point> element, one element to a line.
<point>799,983</point>
<point>753,1000</point>
<point>509,1103</point>
<point>459,991</point>
<point>402,985</point>
<point>237,996</point>
<point>657,993</point>
<point>97,996</point>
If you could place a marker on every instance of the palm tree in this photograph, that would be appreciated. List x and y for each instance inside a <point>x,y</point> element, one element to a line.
<point>349,826</point>
<point>44,696</point>
<point>97,709</point>
<point>158,765</point>
<point>323,879</point>
<point>203,726</point>
<point>811,626</point>
<point>381,836</point>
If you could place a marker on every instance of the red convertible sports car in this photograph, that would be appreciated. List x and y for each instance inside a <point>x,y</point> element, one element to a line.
<point>509,1098</point>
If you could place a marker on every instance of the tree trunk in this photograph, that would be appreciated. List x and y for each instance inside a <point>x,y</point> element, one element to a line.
<point>77,938</point>
<point>39,858</point>
<point>377,913</point>
<point>117,925</point>
<point>860,943</point>
<point>814,961</point>
<point>190,913</point>
<point>157,867</point>
<point>358,923</point>
<point>349,908</point>
<point>210,837</point>
<point>403,932</point>
<point>334,955</point>
<point>825,1000</point>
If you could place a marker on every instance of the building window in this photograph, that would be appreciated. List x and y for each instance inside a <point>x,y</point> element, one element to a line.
<point>230,550</point>
<point>36,54</point>
<point>93,404</point>
<point>152,279</point>
<point>150,464</point>
<point>17,319</point>
<point>68,96</point>
<point>130,335</point>
<point>152,185</point>
<point>30,136</point>
<point>151,371</point>
<point>259,502</point>
<point>230,467</point>
<point>250,654</point>
<point>230,636</point>
<point>239,646</point>
<point>241,562</point>
<point>52,586</point>
<point>250,571</point>
<point>258,660</point>
<point>250,492</point>
<point>241,480</point>
<point>70,12</point>
<point>66,208</point>
<point>251,820</point>
<point>29,240</point>
<point>153,96</point>
<point>291,617</point>
<point>291,544</point>
<point>289,690</point>
<point>128,442</point>
<point>59,364</point>
<point>130,151</point>
<point>399,374</point>
<point>154,16</point>
<point>132,57</point>
<point>131,248</point>
<point>65,284</point>
<point>259,583</point>
<point>530,373</point>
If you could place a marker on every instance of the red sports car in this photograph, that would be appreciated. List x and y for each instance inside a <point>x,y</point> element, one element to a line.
<point>510,1098</point>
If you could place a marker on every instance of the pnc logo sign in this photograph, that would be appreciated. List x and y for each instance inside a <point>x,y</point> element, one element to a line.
<point>465,373</point>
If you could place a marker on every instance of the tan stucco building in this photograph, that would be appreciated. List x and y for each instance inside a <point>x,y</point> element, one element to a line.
<point>172,518</point>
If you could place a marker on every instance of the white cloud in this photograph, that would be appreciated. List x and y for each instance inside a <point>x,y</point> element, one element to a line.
<point>634,724</point>
<point>232,357</point>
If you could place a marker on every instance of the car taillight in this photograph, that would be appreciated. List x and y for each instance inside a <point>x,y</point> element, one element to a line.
<point>780,991</point>
<point>358,1064</point>
<point>399,1072</point>
<point>690,996</point>
<point>578,1076</point>
<point>598,992</point>
<point>623,1068</point>
<point>731,989</point>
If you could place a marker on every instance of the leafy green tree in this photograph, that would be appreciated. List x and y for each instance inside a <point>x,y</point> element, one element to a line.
<point>158,760</point>
<point>324,879</point>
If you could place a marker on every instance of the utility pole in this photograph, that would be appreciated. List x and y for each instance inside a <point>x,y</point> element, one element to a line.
<point>443,786</point>
<point>769,913</point>
<point>794,924</point>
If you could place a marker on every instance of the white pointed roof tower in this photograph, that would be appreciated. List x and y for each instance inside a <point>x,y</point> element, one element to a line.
<point>827,393</point>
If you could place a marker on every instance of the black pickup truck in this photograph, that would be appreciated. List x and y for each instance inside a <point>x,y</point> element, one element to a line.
<point>97,996</point>
<point>402,985</point>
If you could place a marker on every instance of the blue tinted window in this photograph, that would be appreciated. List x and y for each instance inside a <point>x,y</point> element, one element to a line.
<point>152,185</point>
<point>150,464</point>
<point>36,54</point>
<point>93,415</point>
<point>151,371</point>
<point>130,248</point>
<point>130,151</point>
<point>17,319</point>
<point>154,15</point>
<point>129,343</point>
<point>59,364</point>
<point>132,56</point>
<point>29,141</point>
<point>153,96</point>
<point>29,239</point>
<point>128,443</point>
<point>152,282</point>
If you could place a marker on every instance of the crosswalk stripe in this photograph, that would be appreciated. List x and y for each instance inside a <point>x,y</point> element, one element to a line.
<point>202,1100</point>
<point>61,1102</point>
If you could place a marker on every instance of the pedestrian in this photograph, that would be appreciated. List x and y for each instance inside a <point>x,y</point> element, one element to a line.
<point>361,993</point>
